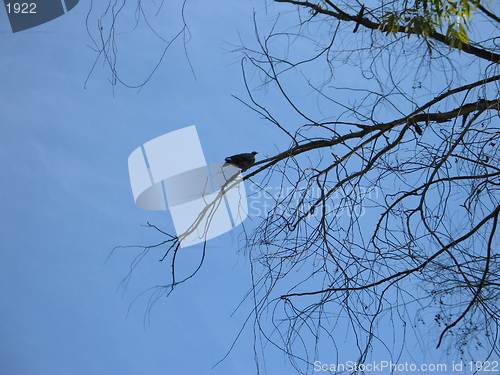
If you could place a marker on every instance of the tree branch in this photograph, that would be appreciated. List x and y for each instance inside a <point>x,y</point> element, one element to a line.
<point>369,24</point>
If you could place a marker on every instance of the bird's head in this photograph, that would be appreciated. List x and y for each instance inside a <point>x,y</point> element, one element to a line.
<point>254,152</point>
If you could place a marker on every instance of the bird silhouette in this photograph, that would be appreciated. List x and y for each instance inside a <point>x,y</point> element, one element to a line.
<point>242,161</point>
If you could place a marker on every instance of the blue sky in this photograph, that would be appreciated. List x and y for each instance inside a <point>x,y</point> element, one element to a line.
<point>67,202</point>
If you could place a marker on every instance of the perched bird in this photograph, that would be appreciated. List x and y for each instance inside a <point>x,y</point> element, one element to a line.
<point>242,161</point>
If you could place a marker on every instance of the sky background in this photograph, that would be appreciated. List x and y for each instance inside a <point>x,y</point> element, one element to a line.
<point>66,198</point>
<point>67,203</point>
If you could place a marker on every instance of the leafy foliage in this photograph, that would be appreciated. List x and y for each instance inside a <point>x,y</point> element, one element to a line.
<point>427,17</point>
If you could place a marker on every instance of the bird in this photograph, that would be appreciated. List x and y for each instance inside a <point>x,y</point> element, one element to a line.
<point>242,161</point>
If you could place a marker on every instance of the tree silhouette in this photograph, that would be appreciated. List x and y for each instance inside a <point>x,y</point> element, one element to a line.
<point>385,196</point>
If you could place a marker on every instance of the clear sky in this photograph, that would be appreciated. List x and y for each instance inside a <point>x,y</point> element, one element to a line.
<point>66,202</point>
